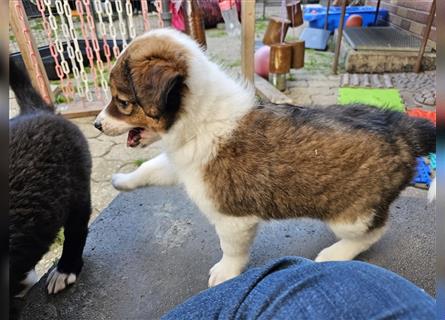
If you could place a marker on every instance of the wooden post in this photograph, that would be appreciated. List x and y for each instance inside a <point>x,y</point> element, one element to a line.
<point>248,38</point>
<point>328,7</point>
<point>426,35</point>
<point>339,37</point>
<point>263,87</point>
<point>18,24</point>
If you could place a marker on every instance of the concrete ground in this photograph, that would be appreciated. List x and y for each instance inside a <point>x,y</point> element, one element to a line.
<point>151,249</point>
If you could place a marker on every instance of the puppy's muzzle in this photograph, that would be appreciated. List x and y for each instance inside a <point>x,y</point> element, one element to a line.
<point>98,125</point>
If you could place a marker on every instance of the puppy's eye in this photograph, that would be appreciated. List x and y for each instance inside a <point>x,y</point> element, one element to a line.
<point>124,106</point>
<point>123,103</point>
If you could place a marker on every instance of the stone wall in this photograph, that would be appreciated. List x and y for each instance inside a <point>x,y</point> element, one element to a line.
<point>410,15</point>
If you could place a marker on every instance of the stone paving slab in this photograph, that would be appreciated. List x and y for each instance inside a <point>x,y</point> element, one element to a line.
<point>417,89</point>
<point>151,249</point>
<point>366,80</point>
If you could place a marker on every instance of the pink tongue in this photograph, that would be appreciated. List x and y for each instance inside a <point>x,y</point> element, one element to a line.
<point>133,137</point>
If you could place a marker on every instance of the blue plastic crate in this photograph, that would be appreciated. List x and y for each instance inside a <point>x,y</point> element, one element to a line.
<point>316,16</point>
<point>432,158</point>
<point>423,173</point>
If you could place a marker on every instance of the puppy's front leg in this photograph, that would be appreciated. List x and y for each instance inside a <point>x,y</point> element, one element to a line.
<point>157,171</point>
<point>236,236</point>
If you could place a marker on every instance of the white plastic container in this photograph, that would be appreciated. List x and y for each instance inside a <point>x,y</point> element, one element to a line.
<point>230,16</point>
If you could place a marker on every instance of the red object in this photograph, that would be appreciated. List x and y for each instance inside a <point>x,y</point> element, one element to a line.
<point>354,20</point>
<point>226,4</point>
<point>177,17</point>
<point>419,113</point>
<point>212,12</point>
<point>262,56</point>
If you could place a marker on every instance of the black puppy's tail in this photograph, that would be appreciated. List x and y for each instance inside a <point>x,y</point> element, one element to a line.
<point>27,96</point>
<point>420,134</point>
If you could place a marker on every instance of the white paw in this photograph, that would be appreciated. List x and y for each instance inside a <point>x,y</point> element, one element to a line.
<point>336,252</point>
<point>30,280</point>
<point>223,271</point>
<point>122,182</point>
<point>58,281</point>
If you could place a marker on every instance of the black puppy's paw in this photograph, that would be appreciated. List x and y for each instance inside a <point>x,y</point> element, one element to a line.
<point>58,281</point>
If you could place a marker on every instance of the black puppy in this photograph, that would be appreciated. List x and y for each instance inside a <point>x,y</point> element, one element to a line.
<point>49,188</point>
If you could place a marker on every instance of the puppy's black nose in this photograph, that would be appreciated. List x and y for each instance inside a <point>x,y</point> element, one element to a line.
<point>98,125</point>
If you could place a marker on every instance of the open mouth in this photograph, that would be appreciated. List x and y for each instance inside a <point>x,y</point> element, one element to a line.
<point>134,137</point>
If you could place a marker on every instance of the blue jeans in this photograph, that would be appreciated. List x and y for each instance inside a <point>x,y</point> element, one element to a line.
<point>297,288</point>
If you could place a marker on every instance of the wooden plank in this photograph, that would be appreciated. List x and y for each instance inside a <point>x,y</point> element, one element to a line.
<point>16,14</point>
<point>268,92</point>
<point>247,38</point>
<point>80,109</point>
<point>425,37</point>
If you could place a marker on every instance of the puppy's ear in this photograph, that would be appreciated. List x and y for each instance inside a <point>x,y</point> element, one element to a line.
<point>160,86</point>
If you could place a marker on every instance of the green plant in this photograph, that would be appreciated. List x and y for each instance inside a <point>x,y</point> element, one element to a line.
<point>261,25</point>
<point>138,162</point>
<point>317,60</point>
<point>58,241</point>
<point>60,237</point>
<point>234,64</point>
<point>55,82</point>
<point>60,98</point>
<point>36,25</point>
<point>291,37</point>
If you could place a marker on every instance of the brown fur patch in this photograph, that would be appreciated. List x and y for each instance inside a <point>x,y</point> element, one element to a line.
<point>279,165</point>
<point>150,75</point>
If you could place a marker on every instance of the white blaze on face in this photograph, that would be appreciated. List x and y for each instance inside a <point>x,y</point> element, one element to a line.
<point>112,126</point>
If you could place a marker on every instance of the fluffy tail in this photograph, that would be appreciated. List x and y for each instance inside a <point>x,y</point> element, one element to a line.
<point>432,191</point>
<point>27,96</point>
<point>420,135</point>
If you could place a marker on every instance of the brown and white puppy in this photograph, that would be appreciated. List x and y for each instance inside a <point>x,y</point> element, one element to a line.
<point>242,163</point>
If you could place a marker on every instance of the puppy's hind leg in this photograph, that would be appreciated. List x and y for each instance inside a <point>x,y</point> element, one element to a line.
<point>157,171</point>
<point>356,237</point>
<point>30,280</point>
<point>236,236</point>
<point>75,232</point>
